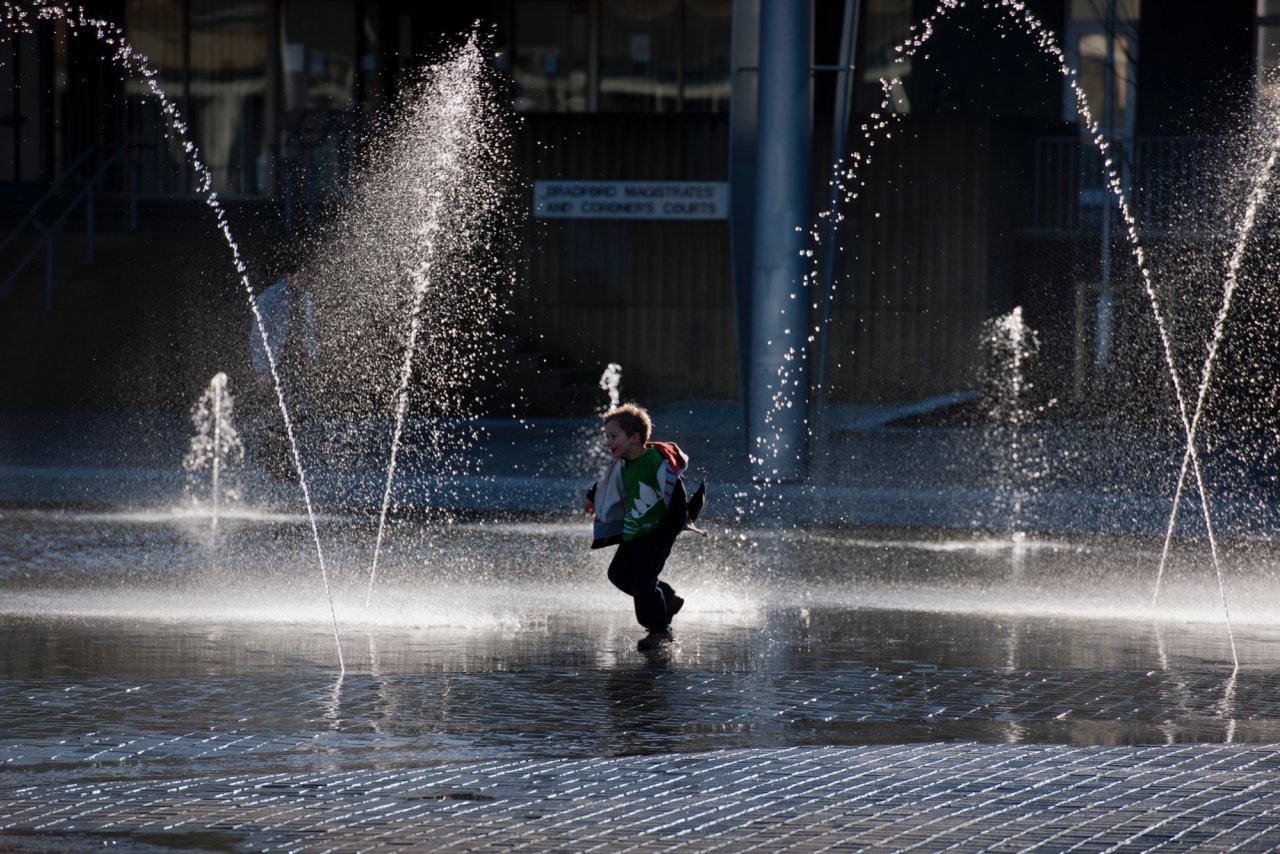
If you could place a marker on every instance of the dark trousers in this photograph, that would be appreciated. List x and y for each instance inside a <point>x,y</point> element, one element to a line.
<point>636,564</point>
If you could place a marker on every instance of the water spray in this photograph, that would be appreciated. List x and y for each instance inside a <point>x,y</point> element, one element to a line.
<point>216,442</point>
<point>610,381</point>
<point>1030,25</point>
<point>17,18</point>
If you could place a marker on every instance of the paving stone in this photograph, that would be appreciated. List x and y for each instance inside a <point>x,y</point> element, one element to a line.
<point>839,727</point>
<point>1127,798</point>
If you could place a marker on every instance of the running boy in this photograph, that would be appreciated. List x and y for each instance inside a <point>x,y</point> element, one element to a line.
<point>640,504</point>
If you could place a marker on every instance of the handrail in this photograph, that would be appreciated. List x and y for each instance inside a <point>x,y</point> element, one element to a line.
<point>86,190</point>
<point>47,231</point>
<point>68,173</point>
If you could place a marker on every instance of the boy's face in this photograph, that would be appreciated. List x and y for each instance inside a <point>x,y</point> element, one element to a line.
<point>621,445</point>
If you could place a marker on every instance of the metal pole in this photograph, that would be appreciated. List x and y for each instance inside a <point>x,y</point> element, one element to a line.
<point>286,169</point>
<point>48,271</point>
<point>743,124</point>
<point>1104,321</point>
<point>839,140</point>
<point>88,224</point>
<point>777,420</point>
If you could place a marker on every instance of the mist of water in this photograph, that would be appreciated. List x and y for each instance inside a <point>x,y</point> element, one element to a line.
<point>610,381</point>
<point>216,444</point>
<point>1022,20</point>
<point>1009,349</point>
<point>419,241</point>
<point>128,61</point>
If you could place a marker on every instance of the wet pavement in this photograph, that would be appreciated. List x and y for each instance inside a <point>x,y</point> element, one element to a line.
<point>168,684</point>
<point>808,729</point>
<point>870,468</point>
<point>906,797</point>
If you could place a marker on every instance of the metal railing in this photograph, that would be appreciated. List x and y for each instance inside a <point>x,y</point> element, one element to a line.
<point>1179,184</point>
<point>72,175</point>
<point>316,164</point>
<point>1172,183</point>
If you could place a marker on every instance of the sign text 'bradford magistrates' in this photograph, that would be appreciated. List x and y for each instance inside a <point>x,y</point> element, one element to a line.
<point>631,199</point>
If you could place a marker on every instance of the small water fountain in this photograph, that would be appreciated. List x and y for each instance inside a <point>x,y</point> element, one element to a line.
<point>589,455</point>
<point>610,381</point>
<point>1009,348</point>
<point>215,447</point>
<point>418,243</point>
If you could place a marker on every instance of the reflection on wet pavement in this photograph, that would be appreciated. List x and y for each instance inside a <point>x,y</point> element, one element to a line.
<point>132,650</point>
<point>506,636</point>
<point>89,694</point>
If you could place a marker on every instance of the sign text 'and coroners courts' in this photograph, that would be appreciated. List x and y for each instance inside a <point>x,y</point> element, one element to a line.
<point>631,199</point>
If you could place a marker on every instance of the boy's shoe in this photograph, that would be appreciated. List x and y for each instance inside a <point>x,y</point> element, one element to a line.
<point>674,604</point>
<point>654,639</point>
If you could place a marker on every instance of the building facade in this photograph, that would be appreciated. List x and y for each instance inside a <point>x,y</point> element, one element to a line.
<point>982,195</point>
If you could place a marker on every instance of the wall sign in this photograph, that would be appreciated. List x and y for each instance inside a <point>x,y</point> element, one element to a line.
<point>631,199</point>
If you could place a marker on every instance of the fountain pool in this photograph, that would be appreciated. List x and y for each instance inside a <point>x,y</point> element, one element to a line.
<point>502,634</point>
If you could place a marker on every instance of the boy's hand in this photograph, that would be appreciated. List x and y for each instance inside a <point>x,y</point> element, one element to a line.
<point>588,507</point>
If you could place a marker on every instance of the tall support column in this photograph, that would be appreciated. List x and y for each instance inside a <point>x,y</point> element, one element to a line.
<point>272,103</point>
<point>777,384</point>
<point>1104,320</point>
<point>830,256</point>
<point>743,130</point>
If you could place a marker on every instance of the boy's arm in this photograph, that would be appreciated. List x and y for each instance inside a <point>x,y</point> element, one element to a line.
<point>589,502</point>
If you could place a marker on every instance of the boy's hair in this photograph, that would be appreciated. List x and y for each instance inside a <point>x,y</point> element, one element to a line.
<point>632,418</point>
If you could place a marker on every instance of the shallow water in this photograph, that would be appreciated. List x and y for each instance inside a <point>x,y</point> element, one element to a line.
<point>140,637</point>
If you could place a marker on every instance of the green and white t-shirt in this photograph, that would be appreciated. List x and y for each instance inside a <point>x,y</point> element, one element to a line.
<point>644,494</point>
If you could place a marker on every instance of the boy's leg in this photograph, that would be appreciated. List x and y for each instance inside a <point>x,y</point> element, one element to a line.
<point>674,601</point>
<point>634,570</point>
<point>636,564</point>
<point>668,530</point>
<point>650,595</point>
<point>620,567</point>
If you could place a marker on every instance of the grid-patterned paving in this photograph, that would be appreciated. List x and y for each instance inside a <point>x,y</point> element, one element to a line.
<point>642,759</point>
<point>928,797</point>
<point>292,720</point>
<point>799,729</point>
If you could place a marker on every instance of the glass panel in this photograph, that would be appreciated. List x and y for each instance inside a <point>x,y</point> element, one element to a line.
<point>318,63</point>
<point>640,55</point>
<point>1091,76</point>
<point>319,59</point>
<point>706,52</point>
<point>155,28</point>
<point>222,100</point>
<point>884,24</point>
<point>228,90</point>
<point>548,63</point>
<point>1269,54</point>
<point>1096,10</point>
<point>1267,8</point>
